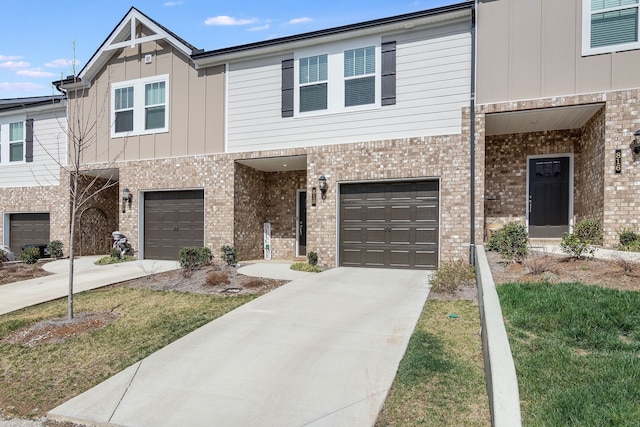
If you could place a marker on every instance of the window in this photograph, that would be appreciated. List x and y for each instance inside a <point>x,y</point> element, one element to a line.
<point>124,109</point>
<point>140,106</point>
<point>610,25</point>
<point>16,142</point>
<point>360,76</point>
<point>313,83</point>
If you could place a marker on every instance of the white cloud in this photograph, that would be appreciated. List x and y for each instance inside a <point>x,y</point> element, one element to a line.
<point>60,63</point>
<point>172,3</point>
<point>20,87</point>
<point>229,20</point>
<point>260,28</point>
<point>35,73</point>
<point>9,58</point>
<point>12,65</point>
<point>301,20</point>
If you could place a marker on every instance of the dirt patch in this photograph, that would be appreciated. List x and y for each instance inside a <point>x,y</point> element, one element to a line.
<point>538,267</point>
<point>214,279</point>
<point>10,273</point>
<point>59,330</point>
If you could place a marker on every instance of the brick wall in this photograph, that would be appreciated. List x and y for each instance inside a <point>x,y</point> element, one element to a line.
<point>249,213</point>
<point>589,176</point>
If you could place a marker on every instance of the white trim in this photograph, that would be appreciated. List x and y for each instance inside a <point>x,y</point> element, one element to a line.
<point>586,32</point>
<point>571,189</point>
<point>225,127</point>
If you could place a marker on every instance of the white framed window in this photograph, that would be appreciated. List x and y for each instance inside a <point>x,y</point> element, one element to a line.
<point>313,83</point>
<point>16,142</point>
<point>610,26</point>
<point>140,106</point>
<point>12,140</point>
<point>360,76</point>
<point>337,78</point>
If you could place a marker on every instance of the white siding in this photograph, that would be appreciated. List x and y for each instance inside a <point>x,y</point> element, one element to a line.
<point>433,83</point>
<point>49,151</point>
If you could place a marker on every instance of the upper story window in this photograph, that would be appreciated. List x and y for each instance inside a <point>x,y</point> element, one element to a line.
<point>140,106</point>
<point>610,26</point>
<point>313,83</point>
<point>360,76</point>
<point>16,142</point>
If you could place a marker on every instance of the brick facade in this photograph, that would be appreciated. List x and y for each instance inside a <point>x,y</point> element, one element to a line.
<point>599,192</point>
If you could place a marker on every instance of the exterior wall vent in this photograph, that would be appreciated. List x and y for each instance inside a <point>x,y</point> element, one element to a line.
<point>147,59</point>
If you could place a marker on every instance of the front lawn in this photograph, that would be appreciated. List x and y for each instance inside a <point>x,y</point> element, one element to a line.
<point>39,374</point>
<point>577,353</point>
<point>441,380</point>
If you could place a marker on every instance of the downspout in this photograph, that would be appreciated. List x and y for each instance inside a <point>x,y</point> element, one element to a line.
<point>472,145</point>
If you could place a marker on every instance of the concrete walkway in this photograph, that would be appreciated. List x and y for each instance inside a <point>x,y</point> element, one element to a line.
<point>321,350</point>
<point>15,296</point>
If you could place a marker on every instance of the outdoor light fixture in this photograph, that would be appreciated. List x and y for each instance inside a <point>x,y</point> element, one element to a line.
<point>323,186</point>
<point>635,145</point>
<point>127,197</point>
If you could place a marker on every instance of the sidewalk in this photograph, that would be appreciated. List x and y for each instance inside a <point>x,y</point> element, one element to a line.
<point>15,296</point>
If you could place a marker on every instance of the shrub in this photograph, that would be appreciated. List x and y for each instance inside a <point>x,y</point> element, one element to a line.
<point>228,248</point>
<point>115,253</point>
<point>626,265</point>
<point>538,264</point>
<point>313,258</point>
<point>510,241</point>
<point>629,240</point>
<point>589,230</point>
<point>3,257</point>
<point>452,275</point>
<point>30,255</point>
<point>192,258</point>
<point>55,248</point>
<point>586,233</point>
<point>303,266</point>
<point>216,278</point>
<point>110,259</point>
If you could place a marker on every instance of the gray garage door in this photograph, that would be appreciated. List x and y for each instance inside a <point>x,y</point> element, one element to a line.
<point>28,228</point>
<point>389,225</point>
<point>172,220</point>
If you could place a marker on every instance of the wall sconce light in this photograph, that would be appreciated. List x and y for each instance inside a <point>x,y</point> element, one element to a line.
<point>635,145</point>
<point>322,186</point>
<point>127,197</point>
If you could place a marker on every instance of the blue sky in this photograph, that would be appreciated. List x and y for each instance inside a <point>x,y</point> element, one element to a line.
<point>38,36</point>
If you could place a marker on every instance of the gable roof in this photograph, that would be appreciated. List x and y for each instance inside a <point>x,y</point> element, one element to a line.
<point>11,104</point>
<point>124,35</point>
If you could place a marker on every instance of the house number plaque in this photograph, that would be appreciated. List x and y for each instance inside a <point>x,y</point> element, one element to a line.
<point>618,161</point>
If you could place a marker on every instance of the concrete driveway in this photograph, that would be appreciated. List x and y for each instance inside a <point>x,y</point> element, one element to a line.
<point>321,350</point>
<point>15,296</point>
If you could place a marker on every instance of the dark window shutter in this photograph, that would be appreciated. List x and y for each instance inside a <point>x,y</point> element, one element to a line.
<point>287,88</point>
<point>389,73</point>
<point>28,154</point>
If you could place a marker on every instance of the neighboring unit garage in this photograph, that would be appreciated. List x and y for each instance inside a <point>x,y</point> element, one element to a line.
<point>26,229</point>
<point>389,224</point>
<point>172,220</point>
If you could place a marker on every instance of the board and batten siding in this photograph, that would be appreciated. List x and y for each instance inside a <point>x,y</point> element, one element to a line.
<point>433,84</point>
<point>49,152</point>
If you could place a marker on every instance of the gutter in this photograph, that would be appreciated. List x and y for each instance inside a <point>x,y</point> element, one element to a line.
<point>472,144</point>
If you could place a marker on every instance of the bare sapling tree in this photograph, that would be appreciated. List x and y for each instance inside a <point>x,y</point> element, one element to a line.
<point>86,111</point>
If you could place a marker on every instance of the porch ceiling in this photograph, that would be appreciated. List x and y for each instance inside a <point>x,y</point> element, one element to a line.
<point>542,119</point>
<point>277,164</point>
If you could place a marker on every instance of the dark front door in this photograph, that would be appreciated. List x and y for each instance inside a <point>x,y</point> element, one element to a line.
<point>172,221</point>
<point>389,224</point>
<point>302,223</point>
<point>548,197</point>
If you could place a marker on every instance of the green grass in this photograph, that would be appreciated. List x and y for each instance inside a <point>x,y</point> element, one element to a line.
<point>440,380</point>
<point>36,379</point>
<point>577,353</point>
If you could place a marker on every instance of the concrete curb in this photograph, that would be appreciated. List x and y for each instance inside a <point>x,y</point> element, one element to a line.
<point>502,382</point>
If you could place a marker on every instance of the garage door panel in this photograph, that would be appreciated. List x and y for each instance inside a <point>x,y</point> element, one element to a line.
<point>392,225</point>
<point>28,228</point>
<point>172,220</point>
<point>427,213</point>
